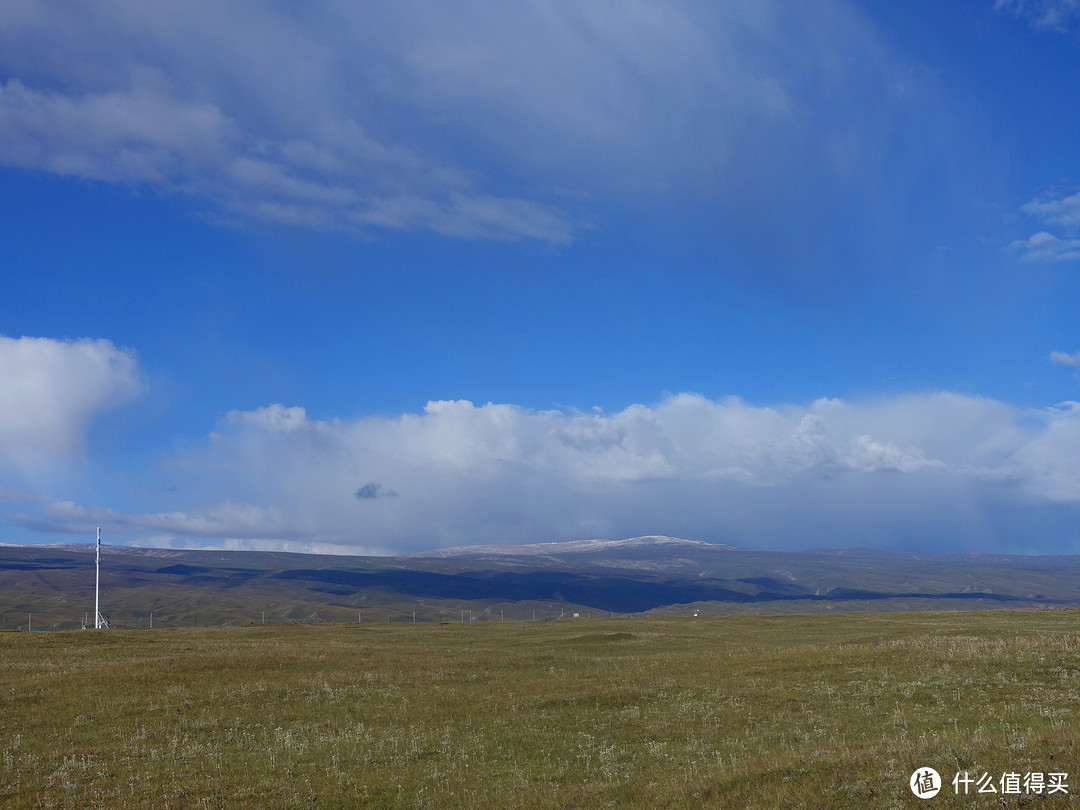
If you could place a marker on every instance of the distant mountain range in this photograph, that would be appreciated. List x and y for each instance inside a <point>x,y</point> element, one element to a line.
<point>640,576</point>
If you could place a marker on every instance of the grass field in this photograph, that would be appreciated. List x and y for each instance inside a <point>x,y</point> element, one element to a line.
<point>748,711</point>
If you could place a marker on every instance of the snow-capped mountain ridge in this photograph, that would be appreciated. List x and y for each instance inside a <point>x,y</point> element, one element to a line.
<point>647,542</point>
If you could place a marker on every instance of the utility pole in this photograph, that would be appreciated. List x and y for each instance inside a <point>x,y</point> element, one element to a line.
<point>97,584</point>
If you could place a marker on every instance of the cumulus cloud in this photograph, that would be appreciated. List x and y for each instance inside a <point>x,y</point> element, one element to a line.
<point>914,471</point>
<point>1052,209</point>
<point>367,117</point>
<point>51,390</point>
<point>1045,247</point>
<point>1056,210</point>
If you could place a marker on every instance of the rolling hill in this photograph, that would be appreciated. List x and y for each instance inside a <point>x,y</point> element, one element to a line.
<point>52,586</point>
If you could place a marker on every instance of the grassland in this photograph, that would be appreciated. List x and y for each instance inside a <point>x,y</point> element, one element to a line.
<point>748,711</point>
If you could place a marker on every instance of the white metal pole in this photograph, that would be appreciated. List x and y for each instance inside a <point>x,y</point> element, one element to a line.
<point>97,584</point>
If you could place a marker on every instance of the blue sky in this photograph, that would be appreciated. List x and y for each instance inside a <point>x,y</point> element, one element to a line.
<point>386,277</point>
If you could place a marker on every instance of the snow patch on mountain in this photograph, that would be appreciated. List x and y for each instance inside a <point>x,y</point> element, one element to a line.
<point>646,543</point>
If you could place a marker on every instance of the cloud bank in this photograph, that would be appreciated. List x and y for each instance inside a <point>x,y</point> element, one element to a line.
<point>918,471</point>
<point>50,391</point>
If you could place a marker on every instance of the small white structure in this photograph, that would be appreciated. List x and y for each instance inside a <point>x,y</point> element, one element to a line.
<point>99,623</point>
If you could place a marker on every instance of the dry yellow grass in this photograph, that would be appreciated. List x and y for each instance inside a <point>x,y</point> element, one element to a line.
<point>792,711</point>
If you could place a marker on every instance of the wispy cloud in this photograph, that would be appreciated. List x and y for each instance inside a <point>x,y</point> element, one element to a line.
<point>220,520</point>
<point>141,135</point>
<point>16,495</point>
<point>1056,15</point>
<point>447,118</point>
<point>1065,359</point>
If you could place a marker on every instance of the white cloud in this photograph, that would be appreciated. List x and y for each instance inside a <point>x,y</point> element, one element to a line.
<point>1052,210</point>
<point>133,135</point>
<point>1065,359</point>
<point>50,392</point>
<point>142,136</point>
<point>274,418</point>
<point>1055,210</point>
<point>446,117</point>
<point>930,470</point>
<point>217,520</point>
<point>1045,247</point>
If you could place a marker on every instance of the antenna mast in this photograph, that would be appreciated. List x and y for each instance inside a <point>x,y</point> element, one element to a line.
<point>99,622</point>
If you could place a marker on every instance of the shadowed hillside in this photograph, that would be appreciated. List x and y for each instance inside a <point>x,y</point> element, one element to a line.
<point>52,586</point>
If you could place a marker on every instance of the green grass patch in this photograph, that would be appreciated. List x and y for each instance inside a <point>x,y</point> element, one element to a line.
<point>749,711</point>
